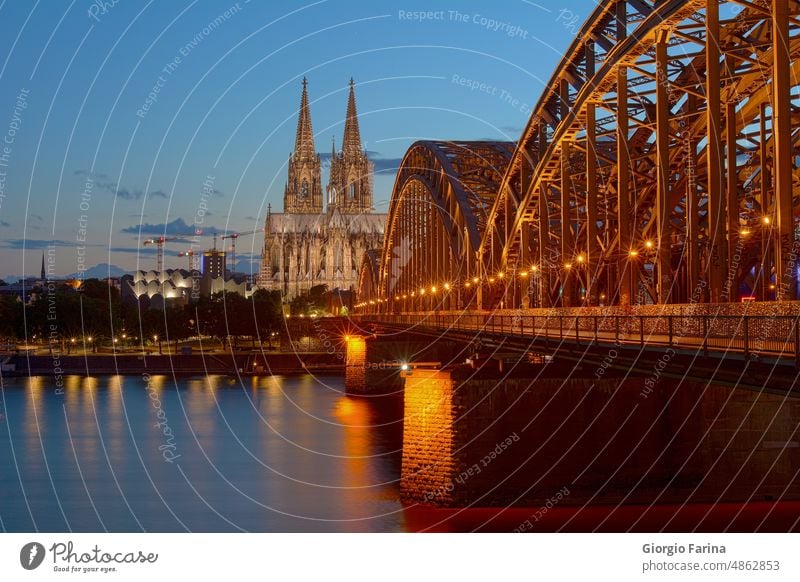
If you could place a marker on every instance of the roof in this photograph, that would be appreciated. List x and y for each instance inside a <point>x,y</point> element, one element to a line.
<point>300,223</point>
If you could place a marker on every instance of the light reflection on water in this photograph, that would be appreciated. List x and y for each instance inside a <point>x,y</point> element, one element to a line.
<point>258,454</point>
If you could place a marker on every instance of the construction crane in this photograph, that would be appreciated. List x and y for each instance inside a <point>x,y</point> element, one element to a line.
<point>159,242</point>
<point>189,254</point>
<point>234,236</point>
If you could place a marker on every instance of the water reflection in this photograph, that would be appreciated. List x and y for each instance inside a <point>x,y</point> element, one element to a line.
<point>259,454</point>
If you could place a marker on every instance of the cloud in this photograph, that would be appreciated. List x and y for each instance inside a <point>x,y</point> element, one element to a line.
<point>381,164</point>
<point>387,164</point>
<point>88,174</point>
<point>4,224</point>
<point>148,250</point>
<point>158,194</point>
<point>103,183</point>
<point>177,227</point>
<point>31,244</point>
<point>126,194</point>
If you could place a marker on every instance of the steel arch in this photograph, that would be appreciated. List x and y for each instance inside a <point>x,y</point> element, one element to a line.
<point>631,199</point>
<point>437,215</point>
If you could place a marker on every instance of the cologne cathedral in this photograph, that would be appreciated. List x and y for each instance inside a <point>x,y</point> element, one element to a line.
<point>309,244</point>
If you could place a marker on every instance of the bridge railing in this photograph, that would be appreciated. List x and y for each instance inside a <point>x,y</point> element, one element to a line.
<point>750,334</point>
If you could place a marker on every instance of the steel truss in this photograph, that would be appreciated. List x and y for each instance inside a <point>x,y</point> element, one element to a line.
<point>659,166</point>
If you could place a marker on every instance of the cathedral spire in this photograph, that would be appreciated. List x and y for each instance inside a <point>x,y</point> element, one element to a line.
<point>351,145</point>
<point>304,142</point>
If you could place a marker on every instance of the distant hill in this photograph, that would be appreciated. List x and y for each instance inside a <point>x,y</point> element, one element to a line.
<point>99,271</point>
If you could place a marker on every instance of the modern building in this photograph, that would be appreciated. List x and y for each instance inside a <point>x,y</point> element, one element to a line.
<point>309,244</point>
<point>182,285</point>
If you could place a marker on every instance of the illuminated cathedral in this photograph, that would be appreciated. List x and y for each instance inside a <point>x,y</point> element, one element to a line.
<point>309,244</point>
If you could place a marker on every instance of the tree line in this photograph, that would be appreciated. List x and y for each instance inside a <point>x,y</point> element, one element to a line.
<point>63,314</point>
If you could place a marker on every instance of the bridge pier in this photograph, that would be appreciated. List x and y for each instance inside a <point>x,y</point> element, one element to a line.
<point>373,364</point>
<point>491,440</point>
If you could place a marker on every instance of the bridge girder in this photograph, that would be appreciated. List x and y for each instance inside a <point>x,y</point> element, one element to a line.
<point>619,188</point>
<point>437,215</point>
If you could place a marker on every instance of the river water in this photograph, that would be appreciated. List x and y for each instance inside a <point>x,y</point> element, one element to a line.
<point>263,454</point>
<point>217,453</point>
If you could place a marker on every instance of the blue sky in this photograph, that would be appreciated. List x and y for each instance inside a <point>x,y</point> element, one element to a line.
<point>177,110</point>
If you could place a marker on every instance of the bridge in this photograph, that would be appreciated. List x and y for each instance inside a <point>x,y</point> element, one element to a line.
<point>649,210</point>
<point>658,168</point>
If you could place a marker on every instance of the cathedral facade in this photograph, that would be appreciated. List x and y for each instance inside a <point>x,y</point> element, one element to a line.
<point>309,244</point>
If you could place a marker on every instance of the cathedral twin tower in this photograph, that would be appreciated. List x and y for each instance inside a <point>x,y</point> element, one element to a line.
<point>350,183</point>
<point>308,245</point>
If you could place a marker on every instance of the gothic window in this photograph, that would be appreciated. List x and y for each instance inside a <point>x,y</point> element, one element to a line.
<point>304,189</point>
<point>352,191</point>
<point>338,255</point>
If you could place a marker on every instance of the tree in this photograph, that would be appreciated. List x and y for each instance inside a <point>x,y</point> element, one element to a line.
<point>11,310</point>
<point>312,302</point>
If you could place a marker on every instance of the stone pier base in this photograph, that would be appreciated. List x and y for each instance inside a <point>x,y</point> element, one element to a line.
<point>373,365</point>
<point>489,442</point>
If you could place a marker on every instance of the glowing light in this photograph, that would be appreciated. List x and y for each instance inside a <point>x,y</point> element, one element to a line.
<point>766,220</point>
<point>745,232</point>
<point>649,244</point>
<point>72,340</point>
<point>347,338</point>
<point>404,367</point>
<point>523,274</point>
<point>580,258</point>
<point>534,268</point>
<point>405,296</point>
<point>433,289</point>
<point>467,285</point>
<point>422,291</point>
<point>500,275</point>
<point>491,279</point>
<point>447,286</point>
<point>475,280</point>
<point>155,338</point>
<point>633,253</point>
<point>568,265</point>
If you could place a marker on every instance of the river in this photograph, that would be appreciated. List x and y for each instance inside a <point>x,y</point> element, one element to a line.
<point>138,453</point>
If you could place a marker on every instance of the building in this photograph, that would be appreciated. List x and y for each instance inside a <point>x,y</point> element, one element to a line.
<point>308,244</point>
<point>213,263</point>
<point>181,286</point>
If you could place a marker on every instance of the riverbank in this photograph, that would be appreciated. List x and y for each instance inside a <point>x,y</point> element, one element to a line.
<point>190,364</point>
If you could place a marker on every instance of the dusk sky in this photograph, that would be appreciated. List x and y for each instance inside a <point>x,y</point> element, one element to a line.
<point>78,81</point>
